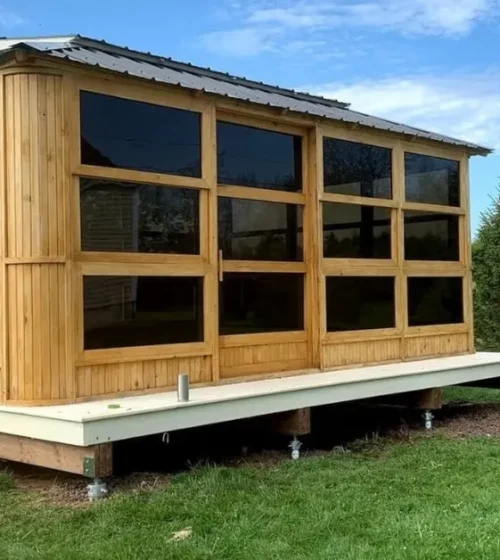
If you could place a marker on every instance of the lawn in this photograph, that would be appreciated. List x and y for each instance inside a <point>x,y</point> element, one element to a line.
<point>430,496</point>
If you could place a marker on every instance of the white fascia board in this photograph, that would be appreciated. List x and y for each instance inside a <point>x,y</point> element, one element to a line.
<point>202,414</point>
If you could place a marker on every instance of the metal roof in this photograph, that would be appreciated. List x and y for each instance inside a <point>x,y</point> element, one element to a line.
<point>100,54</point>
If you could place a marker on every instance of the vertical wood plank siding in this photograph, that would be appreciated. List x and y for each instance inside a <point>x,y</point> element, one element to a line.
<point>35,231</point>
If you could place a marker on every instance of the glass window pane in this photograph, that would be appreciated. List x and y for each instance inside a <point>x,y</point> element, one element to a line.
<point>254,157</point>
<point>117,132</point>
<point>356,169</point>
<point>432,180</point>
<point>137,218</point>
<point>260,231</point>
<point>431,237</point>
<point>358,303</point>
<point>355,231</point>
<point>434,301</point>
<point>255,303</point>
<point>121,311</point>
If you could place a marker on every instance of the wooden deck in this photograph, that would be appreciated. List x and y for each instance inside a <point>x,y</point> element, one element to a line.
<point>88,424</point>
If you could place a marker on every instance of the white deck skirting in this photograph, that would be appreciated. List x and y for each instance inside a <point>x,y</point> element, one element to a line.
<point>86,424</point>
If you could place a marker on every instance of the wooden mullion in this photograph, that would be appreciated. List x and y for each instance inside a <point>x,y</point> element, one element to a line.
<point>433,208</point>
<point>120,268</point>
<point>210,232</point>
<point>264,195</point>
<point>134,176</point>
<point>360,200</point>
<point>280,267</point>
<point>466,252</point>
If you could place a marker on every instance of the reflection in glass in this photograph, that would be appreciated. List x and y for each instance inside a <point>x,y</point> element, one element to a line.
<point>431,237</point>
<point>122,311</point>
<point>261,302</point>
<point>434,301</point>
<point>358,303</point>
<point>138,218</point>
<point>254,157</point>
<point>356,169</point>
<point>431,180</point>
<point>355,231</point>
<point>257,230</point>
<point>117,132</point>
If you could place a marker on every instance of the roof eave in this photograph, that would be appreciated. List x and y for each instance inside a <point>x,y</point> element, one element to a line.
<point>24,48</point>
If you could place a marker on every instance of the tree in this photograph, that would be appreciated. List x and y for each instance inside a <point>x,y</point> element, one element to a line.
<point>486,275</point>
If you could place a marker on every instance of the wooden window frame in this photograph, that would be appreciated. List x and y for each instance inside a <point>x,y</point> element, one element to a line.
<point>397,266</point>
<point>89,263</point>
<point>314,267</point>
<point>271,195</point>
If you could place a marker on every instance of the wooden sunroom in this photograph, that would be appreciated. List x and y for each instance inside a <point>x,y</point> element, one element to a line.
<point>162,219</point>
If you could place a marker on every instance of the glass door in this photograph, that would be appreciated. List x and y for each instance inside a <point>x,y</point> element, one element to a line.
<point>261,250</point>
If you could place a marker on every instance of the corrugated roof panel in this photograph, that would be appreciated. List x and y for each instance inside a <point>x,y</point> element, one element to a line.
<point>149,67</point>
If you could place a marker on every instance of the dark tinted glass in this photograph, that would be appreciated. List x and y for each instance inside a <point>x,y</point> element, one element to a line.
<point>432,180</point>
<point>254,303</point>
<point>257,230</point>
<point>253,157</point>
<point>434,301</point>
<point>356,169</point>
<point>122,311</point>
<point>118,132</point>
<point>357,303</point>
<point>431,237</point>
<point>354,231</point>
<point>130,217</point>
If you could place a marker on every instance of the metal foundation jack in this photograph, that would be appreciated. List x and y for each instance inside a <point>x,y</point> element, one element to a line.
<point>428,417</point>
<point>295,446</point>
<point>97,490</point>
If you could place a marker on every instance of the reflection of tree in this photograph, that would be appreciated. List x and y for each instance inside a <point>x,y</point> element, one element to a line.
<point>359,303</point>
<point>255,167</point>
<point>431,236</point>
<point>281,182</point>
<point>142,159</point>
<point>356,231</point>
<point>351,247</point>
<point>431,180</point>
<point>430,247</point>
<point>366,169</point>
<point>434,301</point>
<point>168,221</point>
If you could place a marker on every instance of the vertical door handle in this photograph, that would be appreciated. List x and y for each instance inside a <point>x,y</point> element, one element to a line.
<point>221,270</point>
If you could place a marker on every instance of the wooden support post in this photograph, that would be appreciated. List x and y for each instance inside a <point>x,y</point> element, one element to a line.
<point>428,399</point>
<point>292,422</point>
<point>95,461</point>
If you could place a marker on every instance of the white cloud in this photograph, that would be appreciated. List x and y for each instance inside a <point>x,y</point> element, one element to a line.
<point>466,107</point>
<point>266,25</point>
<point>414,16</point>
<point>9,19</point>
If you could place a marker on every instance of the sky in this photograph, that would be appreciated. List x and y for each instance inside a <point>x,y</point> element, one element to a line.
<point>430,63</point>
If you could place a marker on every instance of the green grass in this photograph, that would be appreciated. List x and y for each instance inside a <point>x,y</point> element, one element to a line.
<point>433,497</point>
<point>470,395</point>
<point>427,499</point>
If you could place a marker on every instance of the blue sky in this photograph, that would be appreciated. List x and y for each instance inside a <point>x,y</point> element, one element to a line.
<point>430,63</point>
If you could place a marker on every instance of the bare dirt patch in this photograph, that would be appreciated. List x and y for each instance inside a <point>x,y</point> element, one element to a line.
<point>470,420</point>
